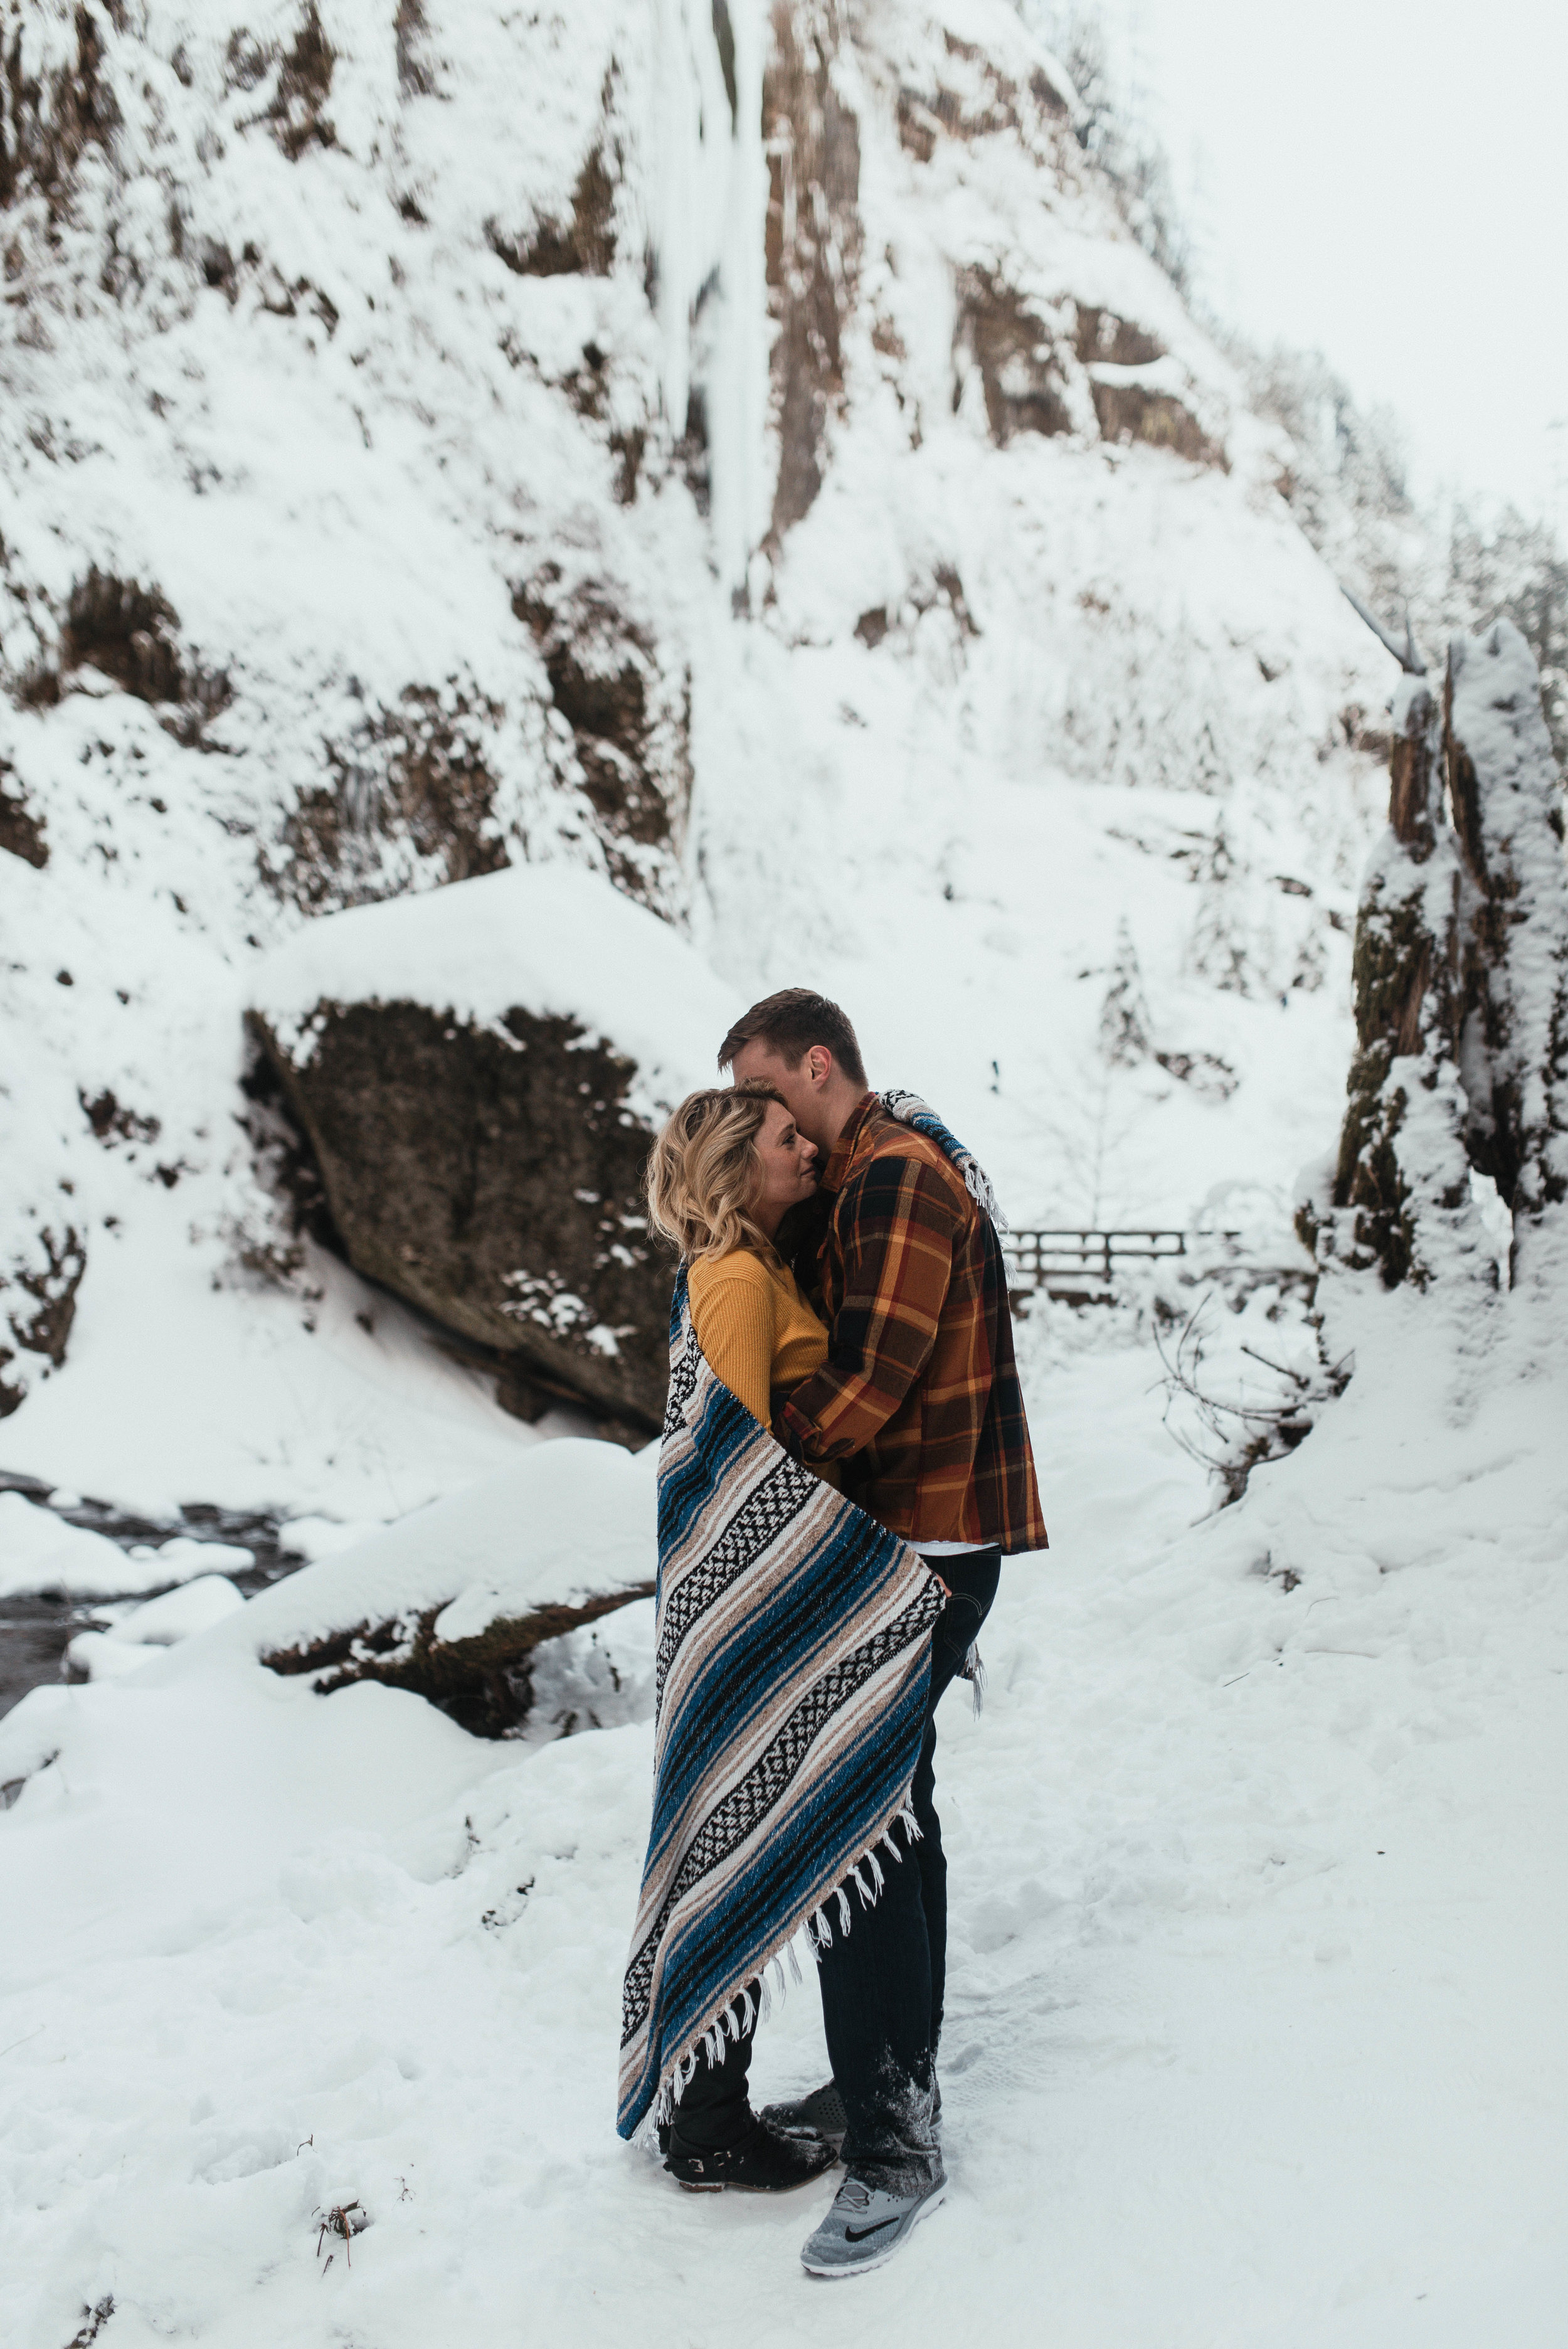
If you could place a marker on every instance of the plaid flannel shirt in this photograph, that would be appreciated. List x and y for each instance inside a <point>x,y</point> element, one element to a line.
<point>920,1396</point>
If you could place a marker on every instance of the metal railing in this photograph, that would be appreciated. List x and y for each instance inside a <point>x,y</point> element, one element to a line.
<point>1081,1264</point>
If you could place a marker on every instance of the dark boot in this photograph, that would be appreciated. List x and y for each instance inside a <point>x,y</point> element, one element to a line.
<point>822,2116</point>
<point>818,2118</point>
<point>760,2162</point>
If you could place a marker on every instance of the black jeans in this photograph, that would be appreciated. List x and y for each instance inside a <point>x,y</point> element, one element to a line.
<point>883,1981</point>
<point>883,1984</point>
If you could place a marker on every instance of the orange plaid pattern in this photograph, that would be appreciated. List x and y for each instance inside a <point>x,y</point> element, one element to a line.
<point>920,1396</point>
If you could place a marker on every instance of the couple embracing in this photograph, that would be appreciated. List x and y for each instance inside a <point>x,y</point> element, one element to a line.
<point>845,1464</point>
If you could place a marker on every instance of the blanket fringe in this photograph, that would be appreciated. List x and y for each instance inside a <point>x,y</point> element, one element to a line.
<point>734,2014</point>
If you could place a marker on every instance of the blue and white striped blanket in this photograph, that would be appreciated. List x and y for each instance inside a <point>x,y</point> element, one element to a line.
<point>793,1665</point>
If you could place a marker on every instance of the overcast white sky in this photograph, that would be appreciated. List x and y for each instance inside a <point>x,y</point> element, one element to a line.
<point>1387,183</point>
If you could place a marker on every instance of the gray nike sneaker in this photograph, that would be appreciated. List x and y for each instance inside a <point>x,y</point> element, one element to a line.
<point>865,2227</point>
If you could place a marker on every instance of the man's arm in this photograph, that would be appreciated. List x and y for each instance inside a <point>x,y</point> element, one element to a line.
<point>901,1225</point>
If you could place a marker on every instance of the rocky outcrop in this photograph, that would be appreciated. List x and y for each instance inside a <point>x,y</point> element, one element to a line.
<point>813,241</point>
<point>489,1174</point>
<point>21,832</point>
<point>39,1302</point>
<point>1015,350</point>
<point>410,793</point>
<point>1134,403</point>
<point>131,635</point>
<point>477,1073</point>
<point>628,708</point>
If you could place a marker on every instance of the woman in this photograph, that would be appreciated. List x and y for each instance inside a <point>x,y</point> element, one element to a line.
<point>724,1172</point>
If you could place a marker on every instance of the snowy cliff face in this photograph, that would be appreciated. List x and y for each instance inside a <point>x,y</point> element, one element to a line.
<point>738,451</point>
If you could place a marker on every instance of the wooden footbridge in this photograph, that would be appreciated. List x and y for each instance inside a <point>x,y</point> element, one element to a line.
<point>1079,1268</point>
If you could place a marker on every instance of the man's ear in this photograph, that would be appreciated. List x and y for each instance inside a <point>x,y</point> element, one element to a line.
<point>819,1064</point>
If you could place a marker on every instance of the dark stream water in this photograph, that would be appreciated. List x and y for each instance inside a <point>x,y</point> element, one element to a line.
<point>34,1633</point>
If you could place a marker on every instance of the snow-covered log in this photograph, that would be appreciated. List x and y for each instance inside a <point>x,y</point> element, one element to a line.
<point>1507,804</point>
<point>452,1601</point>
<point>479,1072</point>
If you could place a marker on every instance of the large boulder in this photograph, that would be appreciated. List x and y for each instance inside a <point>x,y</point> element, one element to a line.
<point>479,1072</point>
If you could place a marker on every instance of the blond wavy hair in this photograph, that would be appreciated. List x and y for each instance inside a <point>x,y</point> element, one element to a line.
<point>703,1172</point>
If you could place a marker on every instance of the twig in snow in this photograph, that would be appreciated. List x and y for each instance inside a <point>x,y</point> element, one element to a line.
<point>344,2219</point>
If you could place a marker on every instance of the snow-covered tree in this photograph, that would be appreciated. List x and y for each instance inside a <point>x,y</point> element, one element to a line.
<point>1400,1190</point>
<point>1124,1021</point>
<point>1462,987</point>
<point>1507,805</point>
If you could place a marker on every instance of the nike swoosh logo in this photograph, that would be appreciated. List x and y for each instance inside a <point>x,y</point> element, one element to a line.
<point>858,2234</point>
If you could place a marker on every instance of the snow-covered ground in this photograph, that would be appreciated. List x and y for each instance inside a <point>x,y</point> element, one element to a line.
<point>1254,2036</point>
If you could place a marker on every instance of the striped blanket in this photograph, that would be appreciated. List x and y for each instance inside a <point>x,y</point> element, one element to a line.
<point>793,1660</point>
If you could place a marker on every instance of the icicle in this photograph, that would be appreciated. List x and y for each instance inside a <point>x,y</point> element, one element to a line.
<point>874,1864</point>
<point>843,1900</point>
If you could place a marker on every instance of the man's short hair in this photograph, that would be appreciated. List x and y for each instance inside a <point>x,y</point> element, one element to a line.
<point>789,1023</point>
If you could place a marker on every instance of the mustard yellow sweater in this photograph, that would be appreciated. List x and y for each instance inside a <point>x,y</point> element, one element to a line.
<point>755,1326</point>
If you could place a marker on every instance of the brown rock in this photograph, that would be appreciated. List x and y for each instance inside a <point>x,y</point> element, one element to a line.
<point>1015,350</point>
<point>491,1176</point>
<point>813,241</point>
<point>1134,411</point>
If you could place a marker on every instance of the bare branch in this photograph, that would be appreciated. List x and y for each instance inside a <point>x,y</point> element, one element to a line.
<point>1409,659</point>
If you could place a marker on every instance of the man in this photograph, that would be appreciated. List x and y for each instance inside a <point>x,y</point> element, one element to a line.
<point>920,1402</point>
